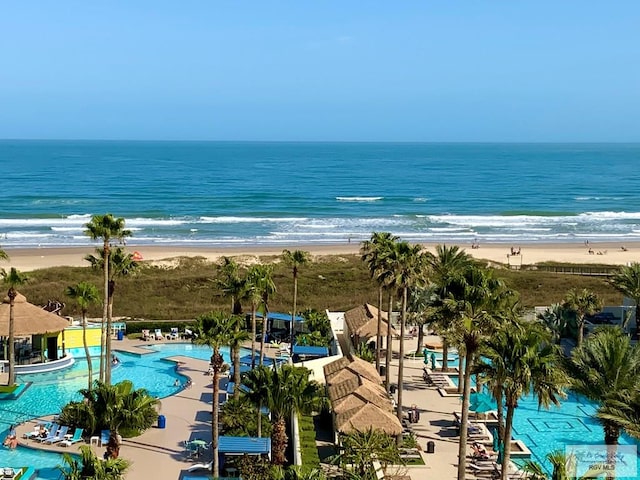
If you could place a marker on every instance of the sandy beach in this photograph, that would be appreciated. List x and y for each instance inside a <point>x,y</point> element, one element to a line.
<point>29,259</point>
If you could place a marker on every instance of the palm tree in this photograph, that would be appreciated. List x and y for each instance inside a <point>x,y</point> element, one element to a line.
<point>555,319</point>
<point>627,282</point>
<point>446,266</point>
<point>360,449</point>
<point>84,293</point>
<point>121,264</point>
<point>253,294</point>
<point>583,303</point>
<point>231,283</point>
<point>237,336</point>
<point>478,297</point>
<point>265,287</point>
<point>373,252</point>
<point>13,278</point>
<point>285,391</point>
<point>295,260</point>
<point>106,228</point>
<point>214,330</point>
<point>89,466</point>
<point>606,369</point>
<point>526,361</point>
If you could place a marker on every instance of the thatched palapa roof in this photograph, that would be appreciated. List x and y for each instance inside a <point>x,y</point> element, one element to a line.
<point>29,319</point>
<point>346,367</point>
<point>368,417</point>
<point>359,399</point>
<point>341,390</point>
<point>363,322</point>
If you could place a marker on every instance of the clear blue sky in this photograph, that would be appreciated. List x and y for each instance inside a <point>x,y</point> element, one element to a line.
<point>463,70</point>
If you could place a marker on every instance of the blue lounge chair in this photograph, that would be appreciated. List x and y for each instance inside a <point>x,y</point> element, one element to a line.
<point>52,433</point>
<point>77,436</point>
<point>37,429</point>
<point>59,436</point>
<point>104,437</point>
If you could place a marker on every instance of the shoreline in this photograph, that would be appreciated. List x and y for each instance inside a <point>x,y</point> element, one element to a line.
<point>607,253</point>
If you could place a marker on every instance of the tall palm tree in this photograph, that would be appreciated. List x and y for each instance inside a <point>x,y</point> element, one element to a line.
<point>285,391</point>
<point>265,287</point>
<point>373,252</point>
<point>121,264</point>
<point>583,303</point>
<point>214,330</point>
<point>231,283</point>
<point>555,319</point>
<point>478,298</point>
<point>108,229</point>
<point>253,294</point>
<point>447,266</point>
<point>89,466</point>
<point>527,361</point>
<point>606,369</point>
<point>295,260</point>
<point>84,293</point>
<point>627,282</point>
<point>13,278</point>
<point>407,268</point>
<point>237,337</point>
<point>360,449</point>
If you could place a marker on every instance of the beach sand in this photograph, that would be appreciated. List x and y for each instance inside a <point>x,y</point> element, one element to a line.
<point>29,259</point>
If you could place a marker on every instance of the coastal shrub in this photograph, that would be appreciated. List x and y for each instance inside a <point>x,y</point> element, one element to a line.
<point>308,448</point>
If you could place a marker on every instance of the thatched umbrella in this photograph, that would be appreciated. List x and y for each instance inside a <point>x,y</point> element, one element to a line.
<point>368,417</point>
<point>359,399</point>
<point>29,319</point>
<point>342,389</point>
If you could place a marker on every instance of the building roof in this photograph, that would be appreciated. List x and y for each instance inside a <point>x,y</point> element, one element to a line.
<point>310,351</point>
<point>342,389</point>
<point>29,319</point>
<point>284,317</point>
<point>346,367</point>
<point>368,417</point>
<point>359,398</point>
<point>363,321</point>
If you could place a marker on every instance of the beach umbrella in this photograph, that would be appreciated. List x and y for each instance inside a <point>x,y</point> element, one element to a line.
<point>496,439</point>
<point>480,397</point>
<point>483,407</point>
<point>433,361</point>
<point>247,360</point>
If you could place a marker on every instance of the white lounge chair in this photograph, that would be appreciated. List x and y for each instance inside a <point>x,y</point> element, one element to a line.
<point>146,335</point>
<point>200,466</point>
<point>174,335</point>
<point>157,334</point>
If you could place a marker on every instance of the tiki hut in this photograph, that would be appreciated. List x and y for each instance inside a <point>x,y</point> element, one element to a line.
<point>355,384</point>
<point>359,398</point>
<point>38,327</point>
<point>355,367</point>
<point>368,417</point>
<point>360,324</point>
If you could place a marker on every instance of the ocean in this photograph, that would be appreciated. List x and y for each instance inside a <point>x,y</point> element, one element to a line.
<point>253,193</point>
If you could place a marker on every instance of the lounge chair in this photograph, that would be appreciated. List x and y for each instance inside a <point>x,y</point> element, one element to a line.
<point>200,466</point>
<point>59,436</point>
<point>174,335</point>
<point>52,433</point>
<point>157,334</point>
<point>77,436</point>
<point>36,430</point>
<point>104,437</point>
<point>146,335</point>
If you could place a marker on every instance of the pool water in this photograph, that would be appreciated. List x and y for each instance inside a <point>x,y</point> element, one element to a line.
<point>47,393</point>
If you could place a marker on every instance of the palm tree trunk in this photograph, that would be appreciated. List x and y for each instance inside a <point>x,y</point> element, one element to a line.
<point>295,301</point>
<point>279,441</point>
<point>387,369</point>
<point>506,445</point>
<point>403,321</point>
<point>461,367</point>
<point>259,433</point>
<point>86,348</point>
<point>378,332</point>
<point>464,421</point>
<point>264,332</point>
<point>500,409</point>
<point>580,330</point>
<point>236,372</point>
<point>105,309</point>
<point>611,436</point>
<point>107,356</point>
<point>445,355</point>
<point>12,347</point>
<point>214,422</point>
<point>420,339</point>
<point>253,334</point>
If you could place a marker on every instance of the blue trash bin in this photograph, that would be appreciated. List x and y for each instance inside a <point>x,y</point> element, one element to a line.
<point>162,421</point>
<point>120,334</point>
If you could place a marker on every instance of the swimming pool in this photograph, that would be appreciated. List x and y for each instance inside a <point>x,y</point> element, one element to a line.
<point>47,393</point>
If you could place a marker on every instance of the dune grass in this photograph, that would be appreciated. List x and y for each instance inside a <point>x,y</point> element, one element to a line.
<point>337,282</point>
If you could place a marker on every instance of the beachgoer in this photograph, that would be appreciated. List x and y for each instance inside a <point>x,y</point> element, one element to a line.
<point>176,383</point>
<point>114,360</point>
<point>11,439</point>
<point>210,371</point>
<point>188,383</point>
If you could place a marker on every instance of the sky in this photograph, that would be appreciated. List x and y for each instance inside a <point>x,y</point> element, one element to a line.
<point>429,70</point>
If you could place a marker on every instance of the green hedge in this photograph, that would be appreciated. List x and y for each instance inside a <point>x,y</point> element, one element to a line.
<point>309,450</point>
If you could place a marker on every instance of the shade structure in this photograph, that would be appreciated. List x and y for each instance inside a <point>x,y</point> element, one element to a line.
<point>244,445</point>
<point>368,417</point>
<point>483,406</point>
<point>283,317</point>
<point>243,369</point>
<point>29,319</point>
<point>247,360</point>
<point>307,351</point>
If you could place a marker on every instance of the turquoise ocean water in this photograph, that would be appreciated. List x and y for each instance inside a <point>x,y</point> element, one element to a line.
<point>235,194</point>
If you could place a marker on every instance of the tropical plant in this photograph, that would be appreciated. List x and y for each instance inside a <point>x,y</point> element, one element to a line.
<point>363,351</point>
<point>119,408</point>
<point>13,278</point>
<point>446,268</point>
<point>406,269</point>
<point>359,449</point>
<point>106,228</point>
<point>419,312</point>
<point>606,370</point>
<point>582,303</point>
<point>254,295</point>
<point>564,468</point>
<point>523,358</point>
<point>238,419</point>
<point>265,287</point>
<point>555,319</point>
<point>627,282</point>
<point>373,253</point>
<point>231,283</point>
<point>214,329</point>
<point>237,337</point>
<point>299,472</point>
<point>285,391</point>
<point>89,467</point>
<point>316,321</point>
<point>295,260</point>
<point>84,293</point>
